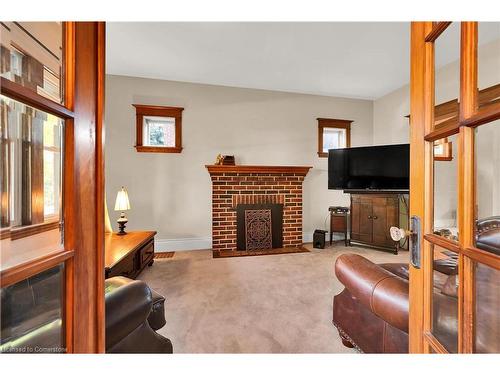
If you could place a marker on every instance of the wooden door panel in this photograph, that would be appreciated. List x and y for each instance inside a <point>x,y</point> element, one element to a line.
<point>384,216</point>
<point>354,218</point>
<point>365,222</point>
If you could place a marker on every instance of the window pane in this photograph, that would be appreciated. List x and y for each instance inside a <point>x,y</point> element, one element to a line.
<point>159,131</point>
<point>447,77</point>
<point>488,61</point>
<point>487,308</point>
<point>32,55</point>
<point>31,314</point>
<point>444,298</point>
<point>31,181</point>
<point>445,191</point>
<point>487,141</point>
<point>333,138</point>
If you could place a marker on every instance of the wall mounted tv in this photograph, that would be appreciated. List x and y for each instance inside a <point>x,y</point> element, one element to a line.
<point>370,168</point>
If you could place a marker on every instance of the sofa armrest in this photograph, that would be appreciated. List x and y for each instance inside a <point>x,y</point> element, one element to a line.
<point>488,234</point>
<point>128,304</point>
<point>384,293</point>
<point>156,318</point>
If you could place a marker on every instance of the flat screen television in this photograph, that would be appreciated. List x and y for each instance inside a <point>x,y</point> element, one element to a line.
<point>370,168</point>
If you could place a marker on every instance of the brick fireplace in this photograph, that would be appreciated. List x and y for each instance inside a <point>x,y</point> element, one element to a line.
<point>245,185</point>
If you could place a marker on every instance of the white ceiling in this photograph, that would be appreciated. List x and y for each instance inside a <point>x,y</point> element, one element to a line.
<point>349,59</point>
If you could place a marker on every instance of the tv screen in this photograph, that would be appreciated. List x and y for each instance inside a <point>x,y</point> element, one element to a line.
<point>369,168</point>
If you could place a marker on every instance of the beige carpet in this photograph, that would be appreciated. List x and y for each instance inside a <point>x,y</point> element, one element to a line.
<point>262,304</point>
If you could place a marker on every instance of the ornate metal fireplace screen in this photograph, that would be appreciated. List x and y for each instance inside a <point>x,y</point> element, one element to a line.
<point>258,229</point>
<point>259,226</point>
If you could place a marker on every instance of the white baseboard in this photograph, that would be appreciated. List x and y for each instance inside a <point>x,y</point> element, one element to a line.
<point>183,244</point>
<point>202,243</point>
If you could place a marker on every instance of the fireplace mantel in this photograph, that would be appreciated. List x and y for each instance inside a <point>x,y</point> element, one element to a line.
<point>300,170</point>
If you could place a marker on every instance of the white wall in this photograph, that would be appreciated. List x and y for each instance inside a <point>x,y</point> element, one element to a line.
<point>171,193</point>
<point>391,126</point>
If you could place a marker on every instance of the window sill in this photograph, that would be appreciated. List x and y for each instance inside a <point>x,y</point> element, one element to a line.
<point>30,230</point>
<point>172,150</point>
<point>322,154</point>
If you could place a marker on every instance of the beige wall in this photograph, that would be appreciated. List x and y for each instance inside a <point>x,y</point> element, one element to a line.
<point>171,193</point>
<point>391,126</point>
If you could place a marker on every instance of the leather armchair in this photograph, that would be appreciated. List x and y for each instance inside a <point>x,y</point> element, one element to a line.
<point>31,321</point>
<point>371,313</point>
<point>133,313</point>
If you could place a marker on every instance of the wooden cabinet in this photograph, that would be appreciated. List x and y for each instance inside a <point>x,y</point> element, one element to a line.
<point>127,255</point>
<point>372,215</point>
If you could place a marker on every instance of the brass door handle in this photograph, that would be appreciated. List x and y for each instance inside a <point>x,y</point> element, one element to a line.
<point>375,217</point>
<point>369,216</point>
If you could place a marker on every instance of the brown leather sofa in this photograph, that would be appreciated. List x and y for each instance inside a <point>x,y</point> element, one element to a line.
<point>31,316</point>
<point>371,313</point>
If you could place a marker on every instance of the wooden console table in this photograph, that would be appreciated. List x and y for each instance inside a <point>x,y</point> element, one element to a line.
<point>127,255</point>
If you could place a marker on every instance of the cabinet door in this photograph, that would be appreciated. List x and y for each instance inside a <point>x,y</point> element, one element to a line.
<point>385,215</point>
<point>361,219</point>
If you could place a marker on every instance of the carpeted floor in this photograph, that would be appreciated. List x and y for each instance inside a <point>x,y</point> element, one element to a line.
<point>261,304</point>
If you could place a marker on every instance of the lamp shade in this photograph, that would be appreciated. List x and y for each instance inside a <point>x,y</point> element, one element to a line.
<point>122,203</point>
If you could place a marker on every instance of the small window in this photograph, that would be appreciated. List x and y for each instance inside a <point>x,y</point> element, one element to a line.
<point>333,134</point>
<point>158,129</point>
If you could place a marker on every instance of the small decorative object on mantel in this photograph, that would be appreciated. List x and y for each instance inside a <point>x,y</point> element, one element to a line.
<point>225,160</point>
<point>122,204</point>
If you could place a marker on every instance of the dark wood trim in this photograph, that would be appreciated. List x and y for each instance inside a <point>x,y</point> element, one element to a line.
<point>172,150</point>
<point>100,183</point>
<point>437,30</point>
<point>68,69</point>
<point>336,124</point>
<point>300,170</point>
<point>22,271</point>
<point>30,230</point>
<point>157,110</point>
<point>244,253</point>
<point>25,95</point>
<point>84,184</point>
<point>142,110</point>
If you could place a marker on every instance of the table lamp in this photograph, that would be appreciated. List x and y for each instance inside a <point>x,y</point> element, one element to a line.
<point>122,204</point>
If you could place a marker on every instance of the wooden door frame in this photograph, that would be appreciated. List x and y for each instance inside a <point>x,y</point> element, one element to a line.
<point>88,189</point>
<point>419,122</point>
<point>83,186</point>
<point>423,133</point>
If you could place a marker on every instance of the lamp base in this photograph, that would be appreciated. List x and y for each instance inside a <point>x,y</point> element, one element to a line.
<point>122,221</point>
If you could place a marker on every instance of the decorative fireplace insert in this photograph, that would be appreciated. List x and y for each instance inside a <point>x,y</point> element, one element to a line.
<point>259,226</point>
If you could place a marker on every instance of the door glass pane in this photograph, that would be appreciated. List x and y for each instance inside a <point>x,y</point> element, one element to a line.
<point>487,154</point>
<point>487,309</point>
<point>445,188</point>
<point>32,56</point>
<point>447,75</point>
<point>445,298</point>
<point>488,60</point>
<point>31,314</point>
<point>31,182</point>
